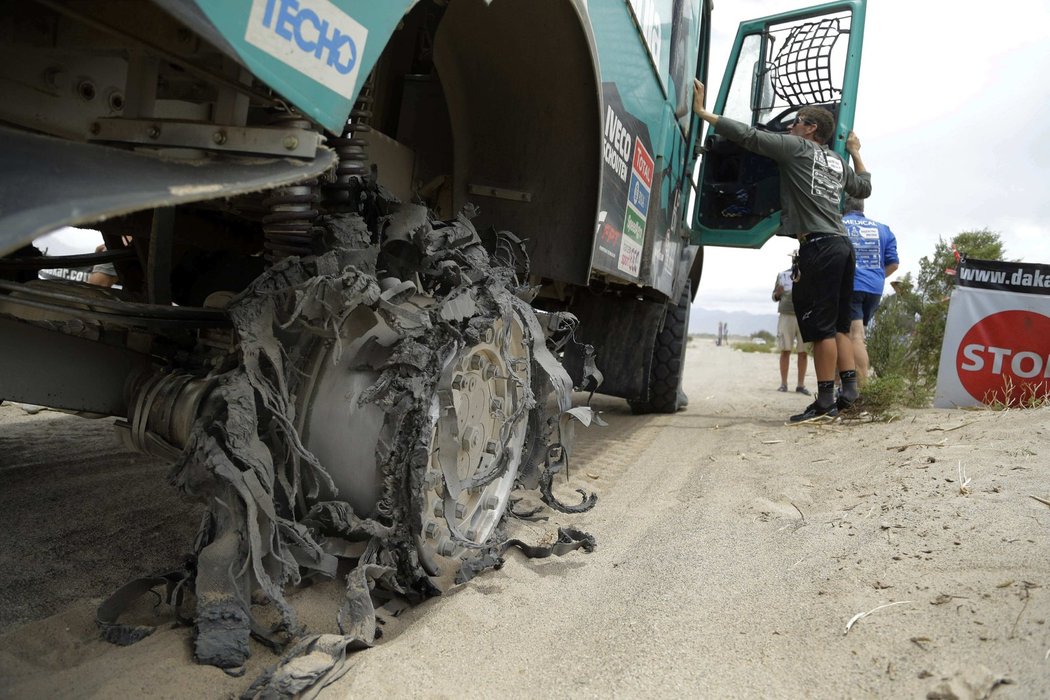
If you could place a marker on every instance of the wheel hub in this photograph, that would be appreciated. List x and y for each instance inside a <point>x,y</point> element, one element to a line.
<point>479,432</point>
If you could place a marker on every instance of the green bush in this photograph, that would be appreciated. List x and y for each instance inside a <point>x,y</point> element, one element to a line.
<point>934,288</point>
<point>892,332</point>
<point>884,394</point>
<point>905,338</point>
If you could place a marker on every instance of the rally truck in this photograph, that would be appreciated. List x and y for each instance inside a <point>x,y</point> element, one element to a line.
<point>366,251</point>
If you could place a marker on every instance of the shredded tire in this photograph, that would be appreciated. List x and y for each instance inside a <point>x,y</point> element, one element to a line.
<point>274,516</point>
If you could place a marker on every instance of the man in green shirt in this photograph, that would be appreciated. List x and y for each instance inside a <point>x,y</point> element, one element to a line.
<point>812,180</point>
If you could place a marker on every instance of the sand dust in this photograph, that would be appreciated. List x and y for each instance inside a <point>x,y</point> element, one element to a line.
<point>736,558</point>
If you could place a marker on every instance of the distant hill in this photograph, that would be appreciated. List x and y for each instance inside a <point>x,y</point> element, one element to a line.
<point>703,320</point>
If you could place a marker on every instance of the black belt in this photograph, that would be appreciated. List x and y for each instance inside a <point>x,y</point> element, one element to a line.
<point>810,237</point>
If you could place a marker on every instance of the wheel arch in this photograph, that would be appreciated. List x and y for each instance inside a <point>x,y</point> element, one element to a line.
<point>523,90</point>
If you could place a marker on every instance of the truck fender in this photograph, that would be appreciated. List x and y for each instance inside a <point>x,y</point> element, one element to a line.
<point>690,266</point>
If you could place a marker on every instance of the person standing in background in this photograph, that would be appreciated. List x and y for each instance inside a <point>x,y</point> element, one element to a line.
<point>789,337</point>
<point>875,248</point>
<point>103,274</point>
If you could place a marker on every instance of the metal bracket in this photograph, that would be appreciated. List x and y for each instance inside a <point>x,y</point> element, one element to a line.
<point>283,141</point>
<point>500,193</point>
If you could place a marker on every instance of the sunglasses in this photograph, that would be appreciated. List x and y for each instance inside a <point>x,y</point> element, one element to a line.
<point>800,120</point>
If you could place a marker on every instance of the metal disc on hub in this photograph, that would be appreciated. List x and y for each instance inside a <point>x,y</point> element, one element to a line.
<point>480,420</point>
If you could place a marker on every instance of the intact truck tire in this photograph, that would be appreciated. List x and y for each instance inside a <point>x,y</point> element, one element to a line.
<point>665,375</point>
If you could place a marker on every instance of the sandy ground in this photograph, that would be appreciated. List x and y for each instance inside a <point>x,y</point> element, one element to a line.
<point>734,552</point>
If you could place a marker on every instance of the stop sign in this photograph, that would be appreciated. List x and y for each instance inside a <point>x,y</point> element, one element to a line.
<point>1005,357</point>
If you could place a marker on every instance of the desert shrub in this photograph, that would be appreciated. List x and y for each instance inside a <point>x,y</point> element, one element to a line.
<point>746,346</point>
<point>934,288</point>
<point>885,394</point>
<point>892,332</point>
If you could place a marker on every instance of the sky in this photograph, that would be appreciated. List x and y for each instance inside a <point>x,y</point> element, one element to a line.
<point>953,115</point>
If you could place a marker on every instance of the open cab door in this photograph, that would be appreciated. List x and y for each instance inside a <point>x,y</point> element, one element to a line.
<point>778,65</point>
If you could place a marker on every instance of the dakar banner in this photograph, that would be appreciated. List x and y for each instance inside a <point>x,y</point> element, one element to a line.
<point>997,340</point>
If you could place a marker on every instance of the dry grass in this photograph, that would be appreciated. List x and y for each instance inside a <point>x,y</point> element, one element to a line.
<point>861,615</point>
<point>964,481</point>
<point>1009,396</point>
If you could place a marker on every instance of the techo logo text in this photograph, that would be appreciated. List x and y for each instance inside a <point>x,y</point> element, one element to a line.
<point>313,36</point>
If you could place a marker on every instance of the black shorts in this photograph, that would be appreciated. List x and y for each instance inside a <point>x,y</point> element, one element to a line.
<point>824,288</point>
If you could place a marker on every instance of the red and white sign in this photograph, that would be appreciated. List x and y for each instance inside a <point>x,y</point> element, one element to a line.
<point>643,163</point>
<point>997,340</point>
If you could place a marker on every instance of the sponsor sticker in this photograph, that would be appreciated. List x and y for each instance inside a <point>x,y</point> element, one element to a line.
<point>638,194</point>
<point>617,143</point>
<point>609,240</point>
<point>314,37</point>
<point>76,275</point>
<point>630,256</point>
<point>634,226</point>
<point>643,163</point>
<point>637,210</point>
<point>627,184</point>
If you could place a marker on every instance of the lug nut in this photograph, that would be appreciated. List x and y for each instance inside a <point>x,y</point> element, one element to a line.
<point>431,529</point>
<point>461,510</point>
<point>446,548</point>
<point>475,362</point>
<point>491,447</point>
<point>471,438</point>
<point>472,535</point>
<point>490,503</point>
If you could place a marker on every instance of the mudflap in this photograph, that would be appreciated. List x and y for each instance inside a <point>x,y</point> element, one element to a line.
<point>621,330</point>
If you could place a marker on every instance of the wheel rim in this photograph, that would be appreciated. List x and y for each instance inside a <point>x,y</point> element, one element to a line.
<point>479,423</point>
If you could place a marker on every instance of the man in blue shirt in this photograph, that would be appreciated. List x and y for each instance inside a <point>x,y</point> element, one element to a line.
<point>875,248</point>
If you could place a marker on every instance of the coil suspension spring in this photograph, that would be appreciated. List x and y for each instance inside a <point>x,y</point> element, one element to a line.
<point>287,227</point>
<point>352,149</point>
